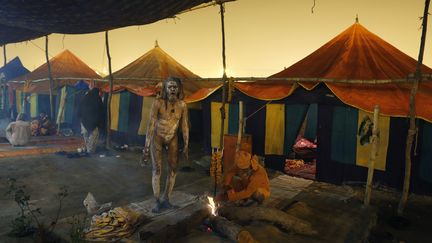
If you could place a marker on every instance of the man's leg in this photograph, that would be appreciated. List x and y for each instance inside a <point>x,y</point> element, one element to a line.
<point>172,170</point>
<point>92,140</point>
<point>85,136</point>
<point>156,157</point>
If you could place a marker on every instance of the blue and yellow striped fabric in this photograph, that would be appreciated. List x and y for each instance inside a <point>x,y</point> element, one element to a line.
<point>119,111</point>
<point>34,112</point>
<point>145,114</point>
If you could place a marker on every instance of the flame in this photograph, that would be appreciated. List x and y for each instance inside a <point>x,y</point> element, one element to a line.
<point>212,205</point>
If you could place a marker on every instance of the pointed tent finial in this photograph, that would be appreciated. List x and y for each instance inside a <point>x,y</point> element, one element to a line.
<point>357,18</point>
<point>156,43</point>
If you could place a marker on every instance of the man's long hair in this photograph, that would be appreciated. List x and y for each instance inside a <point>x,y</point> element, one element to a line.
<point>164,94</point>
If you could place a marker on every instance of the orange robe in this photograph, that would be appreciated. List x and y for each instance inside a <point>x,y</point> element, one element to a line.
<point>244,188</point>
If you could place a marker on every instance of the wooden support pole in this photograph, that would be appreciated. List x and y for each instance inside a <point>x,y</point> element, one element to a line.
<point>240,129</point>
<point>224,77</point>
<point>3,85</point>
<point>412,114</point>
<point>51,83</point>
<point>224,89</point>
<point>108,128</point>
<point>373,154</point>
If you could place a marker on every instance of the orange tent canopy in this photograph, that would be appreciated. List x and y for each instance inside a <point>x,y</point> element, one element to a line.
<point>64,65</point>
<point>356,54</point>
<point>141,75</point>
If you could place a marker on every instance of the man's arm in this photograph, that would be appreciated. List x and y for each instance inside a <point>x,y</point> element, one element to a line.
<point>151,127</point>
<point>185,130</point>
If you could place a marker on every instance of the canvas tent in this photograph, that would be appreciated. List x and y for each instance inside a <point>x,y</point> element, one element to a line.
<point>135,90</point>
<point>10,70</point>
<point>21,22</point>
<point>340,82</point>
<point>67,70</point>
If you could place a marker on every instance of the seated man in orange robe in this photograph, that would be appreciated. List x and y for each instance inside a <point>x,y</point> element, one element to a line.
<point>246,182</point>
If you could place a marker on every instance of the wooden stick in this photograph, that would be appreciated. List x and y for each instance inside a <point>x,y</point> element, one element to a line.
<point>412,114</point>
<point>273,215</point>
<point>373,154</point>
<point>51,82</point>
<point>240,129</point>
<point>229,229</point>
<point>108,128</point>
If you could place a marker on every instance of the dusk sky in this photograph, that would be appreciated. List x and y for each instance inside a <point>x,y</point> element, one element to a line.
<point>262,37</point>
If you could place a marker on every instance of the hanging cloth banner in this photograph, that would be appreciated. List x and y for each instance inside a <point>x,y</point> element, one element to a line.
<point>364,136</point>
<point>275,129</point>
<point>216,123</point>
<point>114,110</point>
<point>34,105</point>
<point>147,102</point>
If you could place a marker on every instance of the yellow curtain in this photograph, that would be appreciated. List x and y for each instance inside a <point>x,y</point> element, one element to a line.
<point>114,109</point>
<point>33,105</point>
<point>216,123</point>
<point>18,95</point>
<point>275,129</point>
<point>365,120</point>
<point>60,115</point>
<point>145,114</point>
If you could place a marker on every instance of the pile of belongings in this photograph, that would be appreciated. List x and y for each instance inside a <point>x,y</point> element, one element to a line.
<point>291,164</point>
<point>297,167</point>
<point>117,223</point>
<point>302,142</point>
<point>304,148</point>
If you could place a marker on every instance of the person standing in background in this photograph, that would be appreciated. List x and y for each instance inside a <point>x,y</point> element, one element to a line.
<point>91,114</point>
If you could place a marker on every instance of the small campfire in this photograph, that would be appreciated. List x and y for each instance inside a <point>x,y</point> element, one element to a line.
<point>212,205</point>
<point>225,227</point>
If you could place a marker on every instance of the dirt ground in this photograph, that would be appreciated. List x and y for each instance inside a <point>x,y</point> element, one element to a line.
<point>118,178</point>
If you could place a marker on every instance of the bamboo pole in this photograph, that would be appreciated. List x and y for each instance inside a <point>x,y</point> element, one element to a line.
<point>240,129</point>
<point>412,113</point>
<point>153,81</point>
<point>373,155</point>
<point>4,55</point>
<point>50,79</point>
<point>3,84</point>
<point>224,77</point>
<point>108,128</point>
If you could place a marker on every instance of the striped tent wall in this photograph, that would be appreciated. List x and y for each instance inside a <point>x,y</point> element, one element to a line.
<point>130,114</point>
<point>351,144</point>
<point>38,103</point>
<point>119,111</point>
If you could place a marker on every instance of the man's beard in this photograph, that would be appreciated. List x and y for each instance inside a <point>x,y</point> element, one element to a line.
<point>172,97</point>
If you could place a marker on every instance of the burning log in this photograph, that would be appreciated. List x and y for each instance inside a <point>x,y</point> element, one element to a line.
<point>273,215</point>
<point>230,229</point>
